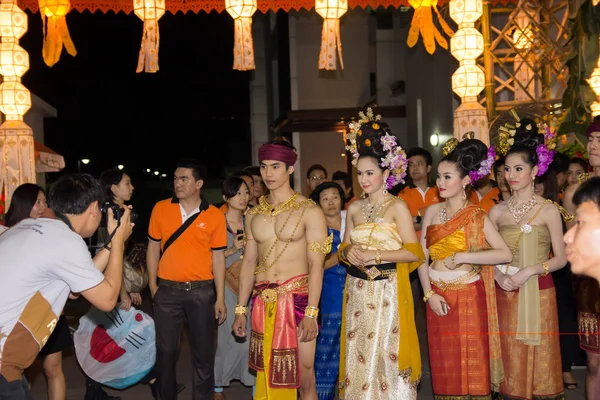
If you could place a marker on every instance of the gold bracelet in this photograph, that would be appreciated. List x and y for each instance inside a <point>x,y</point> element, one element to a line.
<point>241,310</point>
<point>311,312</point>
<point>546,268</point>
<point>377,257</point>
<point>428,296</point>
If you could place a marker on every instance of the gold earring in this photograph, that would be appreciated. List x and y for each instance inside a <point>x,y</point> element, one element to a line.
<point>464,193</point>
<point>385,191</point>
<point>533,186</point>
<point>363,195</point>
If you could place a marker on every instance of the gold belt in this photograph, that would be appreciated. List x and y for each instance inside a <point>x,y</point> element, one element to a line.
<point>269,295</point>
<point>455,284</point>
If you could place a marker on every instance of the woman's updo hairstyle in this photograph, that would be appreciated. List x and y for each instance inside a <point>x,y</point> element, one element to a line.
<point>368,140</point>
<point>527,138</point>
<point>467,156</point>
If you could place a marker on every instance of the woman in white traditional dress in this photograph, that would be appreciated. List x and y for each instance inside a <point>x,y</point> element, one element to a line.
<point>380,351</point>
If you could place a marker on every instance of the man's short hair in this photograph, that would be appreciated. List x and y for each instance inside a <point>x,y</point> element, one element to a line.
<point>560,163</point>
<point>74,193</point>
<point>315,167</point>
<point>343,176</point>
<point>241,174</point>
<point>419,151</point>
<point>253,171</point>
<point>589,191</point>
<point>198,170</point>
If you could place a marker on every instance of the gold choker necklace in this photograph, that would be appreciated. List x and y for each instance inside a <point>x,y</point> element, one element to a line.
<point>444,213</point>
<point>265,208</point>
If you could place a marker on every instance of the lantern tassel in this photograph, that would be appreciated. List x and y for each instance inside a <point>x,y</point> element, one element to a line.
<point>422,22</point>
<point>148,59</point>
<point>330,40</point>
<point>243,48</point>
<point>56,34</point>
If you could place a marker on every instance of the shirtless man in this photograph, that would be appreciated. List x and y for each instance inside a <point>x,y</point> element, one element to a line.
<point>588,293</point>
<point>286,244</point>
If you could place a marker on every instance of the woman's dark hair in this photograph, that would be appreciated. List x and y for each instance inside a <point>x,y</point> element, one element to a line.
<point>368,143</point>
<point>23,200</point>
<point>231,186</point>
<point>111,177</point>
<point>550,183</point>
<point>581,162</point>
<point>467,156</point>
<point>316,194</point>
<point>527,139</point>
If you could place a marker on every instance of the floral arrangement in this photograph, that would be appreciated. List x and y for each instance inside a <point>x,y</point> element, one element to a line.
<point>486,166</point>
<point>395,160</point>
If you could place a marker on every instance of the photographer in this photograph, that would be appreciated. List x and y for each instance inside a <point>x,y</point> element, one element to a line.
<point>43,260</point>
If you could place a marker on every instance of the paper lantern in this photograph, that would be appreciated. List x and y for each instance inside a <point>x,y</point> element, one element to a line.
<point>13,21</point>
<point>331,11</point>
<point>468,81</point>
<point>523,38</point>
<point>243,48</point>
<point>466,11</point>
<point>149,11</point>
<point>466,44</point>
<point>14,60</point>
<point>15,99</point>
<point>594,82</point>
<point>56,32</point>
<point>422,24</point>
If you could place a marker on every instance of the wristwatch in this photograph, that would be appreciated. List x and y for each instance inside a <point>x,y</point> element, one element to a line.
<point>418,219</point>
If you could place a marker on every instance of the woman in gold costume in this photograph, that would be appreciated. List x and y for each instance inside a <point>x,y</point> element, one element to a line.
<point>379,347</point>
<point>527,311</point>
<point>462,322</point>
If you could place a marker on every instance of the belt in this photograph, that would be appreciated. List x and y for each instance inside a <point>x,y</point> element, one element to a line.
<point>373,272</point>
<point>457,283</point>
<point>185,286</point>
<point>270,292</point>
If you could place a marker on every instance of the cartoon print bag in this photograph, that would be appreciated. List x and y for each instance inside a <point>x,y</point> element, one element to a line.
<point>116,349</point>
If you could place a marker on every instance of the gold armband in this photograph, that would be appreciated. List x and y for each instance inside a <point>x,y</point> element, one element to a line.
<point>325,249</point>
<point>428,296</point>
<point>241,310</point>
<point>546,268</point>
<point>311,312</point>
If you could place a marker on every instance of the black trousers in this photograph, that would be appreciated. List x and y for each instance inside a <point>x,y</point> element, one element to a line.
<point>171,308</point>
<point>567,318</point>
<point>16,390</point>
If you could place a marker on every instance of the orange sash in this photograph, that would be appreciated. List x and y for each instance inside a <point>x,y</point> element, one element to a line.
<point>471,219</point>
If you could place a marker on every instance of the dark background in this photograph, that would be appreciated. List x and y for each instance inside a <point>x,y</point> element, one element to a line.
<point>195,105</point>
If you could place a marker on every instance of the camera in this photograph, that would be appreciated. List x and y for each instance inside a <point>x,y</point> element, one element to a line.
<point>117,211</point>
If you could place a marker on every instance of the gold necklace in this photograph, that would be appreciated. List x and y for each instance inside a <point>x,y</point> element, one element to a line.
<point>371,212</point>
<point>444,213</point>
<point>264,208</point>
<point>518,212</point>
<point>261,267</point>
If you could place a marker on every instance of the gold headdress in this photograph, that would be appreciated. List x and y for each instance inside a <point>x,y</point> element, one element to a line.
<point>453,142</point>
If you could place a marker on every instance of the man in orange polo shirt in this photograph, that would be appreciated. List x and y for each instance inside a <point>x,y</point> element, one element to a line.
<point>485,194</point>
<point>419,195</point>
<point>191,280</point>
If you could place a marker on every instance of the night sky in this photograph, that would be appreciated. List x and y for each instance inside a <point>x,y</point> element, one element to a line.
<point>196,105</point>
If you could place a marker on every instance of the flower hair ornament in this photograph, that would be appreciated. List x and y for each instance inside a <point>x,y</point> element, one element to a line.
<point>486,165</point>
<point>545,151</point>
<point>395,159</point>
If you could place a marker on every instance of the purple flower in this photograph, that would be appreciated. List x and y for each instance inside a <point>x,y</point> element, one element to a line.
<point>545,158</point>
<point>486,166</point>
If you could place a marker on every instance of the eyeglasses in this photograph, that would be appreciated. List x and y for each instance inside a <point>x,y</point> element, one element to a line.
<point>317,178</point>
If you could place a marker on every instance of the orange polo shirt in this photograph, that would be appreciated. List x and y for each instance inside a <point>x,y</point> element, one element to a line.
<point>224,208</point>
<point>189,258</point>
<point>348,202</point>
<point>416,199</point>
<point>488,201</point>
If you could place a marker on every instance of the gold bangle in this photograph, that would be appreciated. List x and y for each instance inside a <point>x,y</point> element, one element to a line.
<point>546,268</point>
<point>311,312</point>
<point>241,310</point>
<point>428,296</point>
<point>377,257</point>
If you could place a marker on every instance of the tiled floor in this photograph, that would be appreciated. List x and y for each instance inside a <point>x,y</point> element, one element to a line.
<point>76,379</point>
